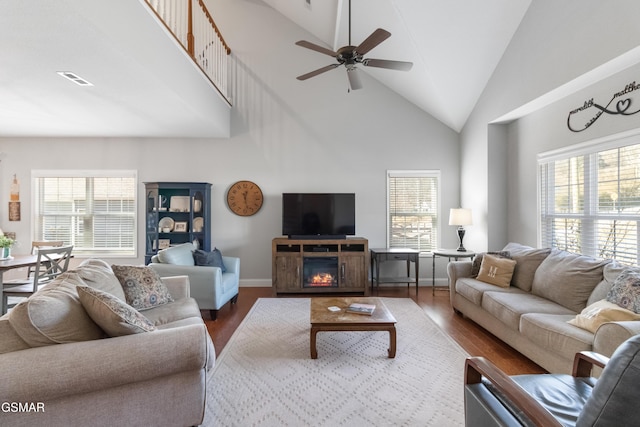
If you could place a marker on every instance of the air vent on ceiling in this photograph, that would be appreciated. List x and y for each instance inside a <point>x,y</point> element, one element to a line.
<point>74,78</point>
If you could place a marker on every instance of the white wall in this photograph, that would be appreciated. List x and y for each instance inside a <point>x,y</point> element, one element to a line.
<point>287,136</point>
<point>547,130</point>
<point>556,43</point>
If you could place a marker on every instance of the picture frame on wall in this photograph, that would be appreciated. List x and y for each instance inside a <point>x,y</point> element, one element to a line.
<point>180,226</point>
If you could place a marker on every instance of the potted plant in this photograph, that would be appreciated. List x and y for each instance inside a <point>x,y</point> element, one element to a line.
<point>5,246</point>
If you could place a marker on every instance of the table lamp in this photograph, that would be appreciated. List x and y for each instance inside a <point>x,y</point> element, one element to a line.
<point>460,217</point>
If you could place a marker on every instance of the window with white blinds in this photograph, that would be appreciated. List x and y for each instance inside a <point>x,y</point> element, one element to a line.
<point>590,200</point>
<point>95,211</point>
<point>413,206</point>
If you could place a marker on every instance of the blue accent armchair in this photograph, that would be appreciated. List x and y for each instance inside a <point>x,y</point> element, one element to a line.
<point>209,286</point>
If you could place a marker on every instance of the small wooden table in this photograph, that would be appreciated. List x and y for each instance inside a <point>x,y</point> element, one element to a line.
<point>379,255</point>
<point>448,253</point>
<point>322,319</point>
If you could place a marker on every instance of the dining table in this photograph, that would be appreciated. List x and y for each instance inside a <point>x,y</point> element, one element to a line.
<point>13,262</point>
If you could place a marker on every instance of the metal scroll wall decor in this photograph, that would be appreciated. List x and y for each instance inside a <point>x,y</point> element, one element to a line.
<point>620,104</point>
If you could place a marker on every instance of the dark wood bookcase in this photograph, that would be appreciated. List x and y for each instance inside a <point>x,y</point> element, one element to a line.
<point>183,208</point>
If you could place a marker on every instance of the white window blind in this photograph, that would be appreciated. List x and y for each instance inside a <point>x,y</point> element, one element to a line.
<point>590,201</point>
<point>95,211</point>
<point>413,206</point>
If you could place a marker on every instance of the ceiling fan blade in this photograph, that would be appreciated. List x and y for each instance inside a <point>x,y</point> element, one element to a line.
<point>391,65</point>
<point>316,72</point>
<point>354,78</point>
<point>317,48</point>
<point>377,37</point>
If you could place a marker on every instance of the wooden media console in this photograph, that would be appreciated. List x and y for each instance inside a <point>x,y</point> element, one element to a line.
<point>320,265</point>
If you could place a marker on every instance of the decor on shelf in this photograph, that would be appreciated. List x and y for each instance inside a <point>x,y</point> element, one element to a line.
<point>180,227</point>
<point>244,198</point>
<point>177,213</point>
<point>460,217</point>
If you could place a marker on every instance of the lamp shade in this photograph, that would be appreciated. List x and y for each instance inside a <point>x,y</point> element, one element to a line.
<point>460,216</point>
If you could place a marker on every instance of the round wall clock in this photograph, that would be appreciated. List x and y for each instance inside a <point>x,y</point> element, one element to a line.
<point>244,198</point>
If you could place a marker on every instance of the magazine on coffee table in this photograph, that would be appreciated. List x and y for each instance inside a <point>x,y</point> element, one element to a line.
<point>361,308</point>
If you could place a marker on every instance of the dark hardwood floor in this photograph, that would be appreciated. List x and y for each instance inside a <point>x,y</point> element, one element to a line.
<point>475,340</point>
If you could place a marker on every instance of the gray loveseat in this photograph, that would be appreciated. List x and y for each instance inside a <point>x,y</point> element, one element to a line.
<point>58,361</point>
<point>548,289</point>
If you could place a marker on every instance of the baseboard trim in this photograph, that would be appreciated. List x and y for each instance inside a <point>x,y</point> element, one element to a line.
<point>255,283</point>
<point>266,283</point>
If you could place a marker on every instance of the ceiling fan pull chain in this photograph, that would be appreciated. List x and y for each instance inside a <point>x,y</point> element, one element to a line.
<point>349,22</point>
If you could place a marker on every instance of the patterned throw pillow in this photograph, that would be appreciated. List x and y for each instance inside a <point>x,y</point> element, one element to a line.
<point>477,261</point>
<point>112,314</point>
<point>625,291</point>
<point>142,286</point>
<point>496,271</point>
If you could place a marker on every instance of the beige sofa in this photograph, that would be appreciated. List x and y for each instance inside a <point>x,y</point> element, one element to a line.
<point>548,289</point>
<point>63,369</point>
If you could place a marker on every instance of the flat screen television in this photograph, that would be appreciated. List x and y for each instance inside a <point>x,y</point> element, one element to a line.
<point>318,215</point>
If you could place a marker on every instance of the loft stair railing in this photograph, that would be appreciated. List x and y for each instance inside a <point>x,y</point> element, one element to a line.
<point>191,24</point>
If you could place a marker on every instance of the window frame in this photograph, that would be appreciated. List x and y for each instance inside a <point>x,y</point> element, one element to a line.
<point>417,173</point>
<point>36,175</point>
<point>590,240</point>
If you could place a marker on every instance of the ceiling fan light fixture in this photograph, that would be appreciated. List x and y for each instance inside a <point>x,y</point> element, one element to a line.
<point>350,55</point>
<point>354,78</point>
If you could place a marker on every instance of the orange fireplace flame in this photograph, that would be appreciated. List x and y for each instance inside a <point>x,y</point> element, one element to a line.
<point>322,279</point>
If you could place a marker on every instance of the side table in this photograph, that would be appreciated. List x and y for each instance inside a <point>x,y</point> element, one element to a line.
<point>394,254</point>
<point>447,253</point>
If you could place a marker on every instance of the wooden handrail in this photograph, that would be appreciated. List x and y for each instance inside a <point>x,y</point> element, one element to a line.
<point>205,46</point>
<point>215,27</point>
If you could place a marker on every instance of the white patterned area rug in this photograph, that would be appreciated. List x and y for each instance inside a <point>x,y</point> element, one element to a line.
<point>265,376</point>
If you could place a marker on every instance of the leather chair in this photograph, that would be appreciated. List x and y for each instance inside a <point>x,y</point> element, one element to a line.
<point>493,398</point>
<point>209,285</point>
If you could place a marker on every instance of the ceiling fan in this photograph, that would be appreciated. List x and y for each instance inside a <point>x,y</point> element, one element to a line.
<point>350,56</point>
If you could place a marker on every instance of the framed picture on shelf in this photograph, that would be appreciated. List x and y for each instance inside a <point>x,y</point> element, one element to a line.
<point>164,243</point>
<point>180,226</point>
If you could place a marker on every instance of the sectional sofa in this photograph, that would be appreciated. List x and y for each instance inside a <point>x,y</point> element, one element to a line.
<point>75,354</point>
<point>552,307</point>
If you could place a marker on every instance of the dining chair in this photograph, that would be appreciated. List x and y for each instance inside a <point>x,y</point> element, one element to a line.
<point>50,263</point>
<point>36,245</point>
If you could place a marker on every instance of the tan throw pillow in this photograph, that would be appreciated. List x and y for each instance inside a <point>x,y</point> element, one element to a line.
<point>496,271</point>
<point>113,315</point>
<point>142,286</point>
<point>477,260</point>
<point>601,312</point>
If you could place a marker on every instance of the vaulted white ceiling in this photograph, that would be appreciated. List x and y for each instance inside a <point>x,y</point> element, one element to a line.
<point>455,45</point>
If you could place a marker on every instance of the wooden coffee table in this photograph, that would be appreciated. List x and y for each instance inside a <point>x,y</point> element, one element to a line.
<point>322,319</point>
